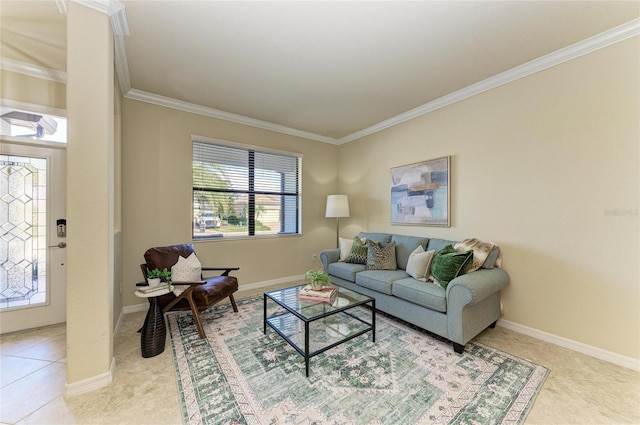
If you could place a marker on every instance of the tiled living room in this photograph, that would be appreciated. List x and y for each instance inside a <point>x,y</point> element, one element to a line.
<point>534,105</point>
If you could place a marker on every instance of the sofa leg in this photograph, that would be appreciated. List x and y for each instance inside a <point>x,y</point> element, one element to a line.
<point>493,325</point>
<point>458,348</point>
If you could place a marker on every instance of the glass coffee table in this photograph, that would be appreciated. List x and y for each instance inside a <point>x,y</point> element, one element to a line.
<point>313,327</point>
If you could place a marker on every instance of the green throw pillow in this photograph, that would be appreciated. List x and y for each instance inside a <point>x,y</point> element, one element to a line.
<point>358,254</point>
<point>381,258</point>
<point>448,264</point>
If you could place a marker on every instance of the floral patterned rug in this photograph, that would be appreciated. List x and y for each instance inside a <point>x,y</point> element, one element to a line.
<point>238,375</point>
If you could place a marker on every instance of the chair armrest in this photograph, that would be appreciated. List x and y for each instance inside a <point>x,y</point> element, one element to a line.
<point>226,269</point>
<point>329,256</point>
<point>143,269</point>
<point>473,287</point>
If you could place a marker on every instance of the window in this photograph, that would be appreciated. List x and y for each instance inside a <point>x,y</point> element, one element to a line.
<point>23,220</point>
<point>241,191</point>
<point>33,122</point>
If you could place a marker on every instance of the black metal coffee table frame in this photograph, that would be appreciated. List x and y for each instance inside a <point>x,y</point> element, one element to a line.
<point>287,298</point>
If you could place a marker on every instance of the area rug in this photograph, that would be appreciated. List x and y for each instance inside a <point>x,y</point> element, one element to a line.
<point>239,375</point>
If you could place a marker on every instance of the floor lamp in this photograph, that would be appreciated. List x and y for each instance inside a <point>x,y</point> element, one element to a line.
<point>337,206</point>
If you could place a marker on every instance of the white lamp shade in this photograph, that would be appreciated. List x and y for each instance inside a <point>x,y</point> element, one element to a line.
<point>337,206</point>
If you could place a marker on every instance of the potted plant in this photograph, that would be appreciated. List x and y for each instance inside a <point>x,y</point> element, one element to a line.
<point>153,277</point>
<point>317,278</point>
<point>165,275</point>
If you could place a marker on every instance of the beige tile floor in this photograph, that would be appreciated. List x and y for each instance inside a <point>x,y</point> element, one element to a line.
<point>579,390</point>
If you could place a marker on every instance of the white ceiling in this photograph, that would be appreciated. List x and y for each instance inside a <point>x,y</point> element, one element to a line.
<point>326,70</point>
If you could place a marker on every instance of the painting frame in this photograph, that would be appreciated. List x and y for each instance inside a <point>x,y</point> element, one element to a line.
<point>421,193</point>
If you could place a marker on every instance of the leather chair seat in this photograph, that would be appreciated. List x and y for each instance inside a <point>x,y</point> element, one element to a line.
<point>216,289</point>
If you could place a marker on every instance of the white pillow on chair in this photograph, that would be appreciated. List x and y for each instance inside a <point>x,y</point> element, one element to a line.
<point>185,270</point>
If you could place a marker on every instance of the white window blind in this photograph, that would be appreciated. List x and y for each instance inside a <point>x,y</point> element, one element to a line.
<point>240,191</point>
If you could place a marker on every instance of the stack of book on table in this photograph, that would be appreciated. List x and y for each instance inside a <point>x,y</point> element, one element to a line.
<point>149,289</point>
<point>326,294</point>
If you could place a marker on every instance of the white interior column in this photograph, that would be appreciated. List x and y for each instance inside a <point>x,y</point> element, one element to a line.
<point>90,205</point>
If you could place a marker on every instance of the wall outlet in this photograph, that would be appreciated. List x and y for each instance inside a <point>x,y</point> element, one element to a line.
<point>314,257</point>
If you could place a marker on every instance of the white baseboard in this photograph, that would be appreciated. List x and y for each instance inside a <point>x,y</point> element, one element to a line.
<point>90,384</point>
<point>267,283</point>
<point>135,308</point>
<point>589,350</point>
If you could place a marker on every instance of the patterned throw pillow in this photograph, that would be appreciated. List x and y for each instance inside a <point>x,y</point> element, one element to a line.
<point>419,264</point>
<point>448,264</point>
<point>345,247</point>
<point>186,269</point>
<point>381,258</point>
<point>358,254</point>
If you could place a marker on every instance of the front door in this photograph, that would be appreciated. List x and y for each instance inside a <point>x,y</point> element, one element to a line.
<point>32,237</point>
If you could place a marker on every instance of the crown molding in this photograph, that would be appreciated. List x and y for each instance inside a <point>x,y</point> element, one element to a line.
<point>32,70</point>
<point>168,102</point>
<point>62,6</point>
<point>114,9</point>
<point>589,45</point>
<point>118,15</point>
<point>121,64</point>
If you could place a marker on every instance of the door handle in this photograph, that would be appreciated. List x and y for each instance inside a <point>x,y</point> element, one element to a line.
<point>60,245</point>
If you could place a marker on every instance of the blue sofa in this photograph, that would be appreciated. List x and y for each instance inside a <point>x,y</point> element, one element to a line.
<point>470,304</point>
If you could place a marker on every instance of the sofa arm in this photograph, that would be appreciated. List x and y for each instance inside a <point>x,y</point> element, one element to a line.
<point>472,288</point>
<point>329,256</point>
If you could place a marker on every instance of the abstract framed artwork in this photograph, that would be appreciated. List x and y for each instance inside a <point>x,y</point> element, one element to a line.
<point>420,193</point>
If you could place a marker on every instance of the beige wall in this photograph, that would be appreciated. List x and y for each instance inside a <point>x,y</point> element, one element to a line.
<point>117,204</point>
<point>90,194</point>
<point>541,166</point>
<point>157,202</point>
<point>32,90</point>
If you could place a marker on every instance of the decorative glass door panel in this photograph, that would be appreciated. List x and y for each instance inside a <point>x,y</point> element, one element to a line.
<point>23,225</point>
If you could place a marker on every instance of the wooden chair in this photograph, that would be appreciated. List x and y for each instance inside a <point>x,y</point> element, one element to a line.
<point>199,295</point>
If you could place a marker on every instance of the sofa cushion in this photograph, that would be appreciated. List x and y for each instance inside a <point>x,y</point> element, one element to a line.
<point>358,254</point>
<point>419,264</point>
<point>346,271</point>
<point>405,245</point>
<point>383,238</point>
<point>381,258</point>
<point>438,244</point>
<point>379,280</point>
<point>449,264</point>
<point>426,294</point>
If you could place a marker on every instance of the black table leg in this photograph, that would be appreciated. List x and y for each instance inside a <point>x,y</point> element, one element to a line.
<point>306,347</point>
<point>373,319</point>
